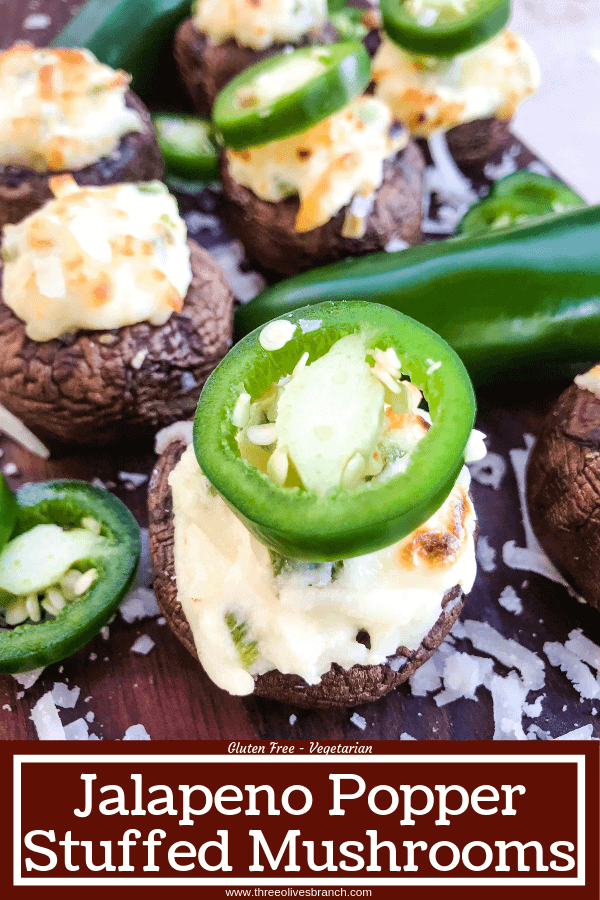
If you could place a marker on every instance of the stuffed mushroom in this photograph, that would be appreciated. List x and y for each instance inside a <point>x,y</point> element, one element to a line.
<point>224,37</point>
<point>470,96</point>
<point>109,318</point>
<point>63,111</point>
<point>563,485</point>
<point>309,546</point>
<point>304,188</point>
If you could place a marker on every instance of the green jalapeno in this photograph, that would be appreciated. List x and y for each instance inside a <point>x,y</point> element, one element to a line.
<point>543,190</point>
<point>73,554</point>
<point>519,198</point>
<point>288,93</point>
<point>510,301</point>
<point>331,520</point>
<point>188,146</point>
<point>443,27</point>
<point>8,512</point>
<point>499,212</point>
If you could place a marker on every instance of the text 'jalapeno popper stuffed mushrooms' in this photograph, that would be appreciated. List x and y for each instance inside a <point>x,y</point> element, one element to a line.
<point>63,111</point>
<point>312,171</point>
<point>451,66</point>
<point>110,318</point>
<point>224,37</point>
<point>316,542</point>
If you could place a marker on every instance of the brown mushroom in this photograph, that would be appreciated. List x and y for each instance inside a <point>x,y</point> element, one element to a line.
<point>563,489</point>
<point>205,67</point>
<point>93,386</point>
<point>473,144</point>
<point>338,687</point>
<point>268,233</point>
<point>136,158</point>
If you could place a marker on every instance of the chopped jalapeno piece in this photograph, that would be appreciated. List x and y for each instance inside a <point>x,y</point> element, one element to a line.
<point>188,146</point>
<point>75,552</point>
<point>499,212</point>
<point>288,93</point>
<point>443,27</point>
<point>540,189</point>
<point>319,464</point>
<point>517,199</point>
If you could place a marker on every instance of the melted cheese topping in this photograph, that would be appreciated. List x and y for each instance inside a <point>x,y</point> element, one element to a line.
<point>431,94</point>
<point>590,381</point>
<point>60,109</point>
<point>96,258</point>
<point>308,616</point>
<point>259,23</point>
<point>338,159</point>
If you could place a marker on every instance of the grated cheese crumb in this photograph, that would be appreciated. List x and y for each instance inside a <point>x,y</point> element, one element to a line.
<point>46,719</point>
<point>63,696</point>
<point>509,600</point>
<point>359,721</point>
<point>143,645</point>
<point>136,733</point>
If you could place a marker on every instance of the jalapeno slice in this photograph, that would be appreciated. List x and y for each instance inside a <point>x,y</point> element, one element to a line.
<point>188,146</point>
<point>288,93</point>
<point>341,522</point>
<point>8,512</point>
<point>499,212</point>
<point>541,189</point>
<point>517,199</point>
<point>76,606</point>
<point>443,27</point>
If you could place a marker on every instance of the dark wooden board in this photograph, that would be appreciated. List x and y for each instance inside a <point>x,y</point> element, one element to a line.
<point>167,691</point>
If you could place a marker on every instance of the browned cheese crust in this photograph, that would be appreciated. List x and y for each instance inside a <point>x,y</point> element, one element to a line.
<point>475,143</point>
<point>136,158</point>
<point>338,687</point>
<point>95,386</point>
<point>563,490</point>
<point>267,229</point>
<point>206,67</point>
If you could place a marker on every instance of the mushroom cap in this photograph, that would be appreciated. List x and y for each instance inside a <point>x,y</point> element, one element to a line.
<point>205,67</point>
<point>563,489</point>
<point>338,687</point>
<point>473,144</point>
<point>136,158</point>
<point>95,386</point>
<point>268,233</point>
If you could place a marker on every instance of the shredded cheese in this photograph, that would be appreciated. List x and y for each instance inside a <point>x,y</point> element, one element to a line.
<point>338,159</point>
<point>60,109</point>
<point>430,94</point>
<point>259,23</point>
<point>97,258</point>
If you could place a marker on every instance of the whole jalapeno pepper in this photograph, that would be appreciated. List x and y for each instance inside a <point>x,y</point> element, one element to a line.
<point>74,552</point>
<point>316,509</point>
<point>509,301</point>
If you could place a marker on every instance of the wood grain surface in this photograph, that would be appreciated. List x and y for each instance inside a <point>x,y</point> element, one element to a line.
<point>168,693</point>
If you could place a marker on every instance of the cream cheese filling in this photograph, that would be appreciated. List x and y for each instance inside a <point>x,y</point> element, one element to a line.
<point>429,94</point>
<point>590,381</point>
<point>60,109</point>
<point>328,166</point>
<point>259,23</point>
<point>307,617</point>
<point>96,258</point>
